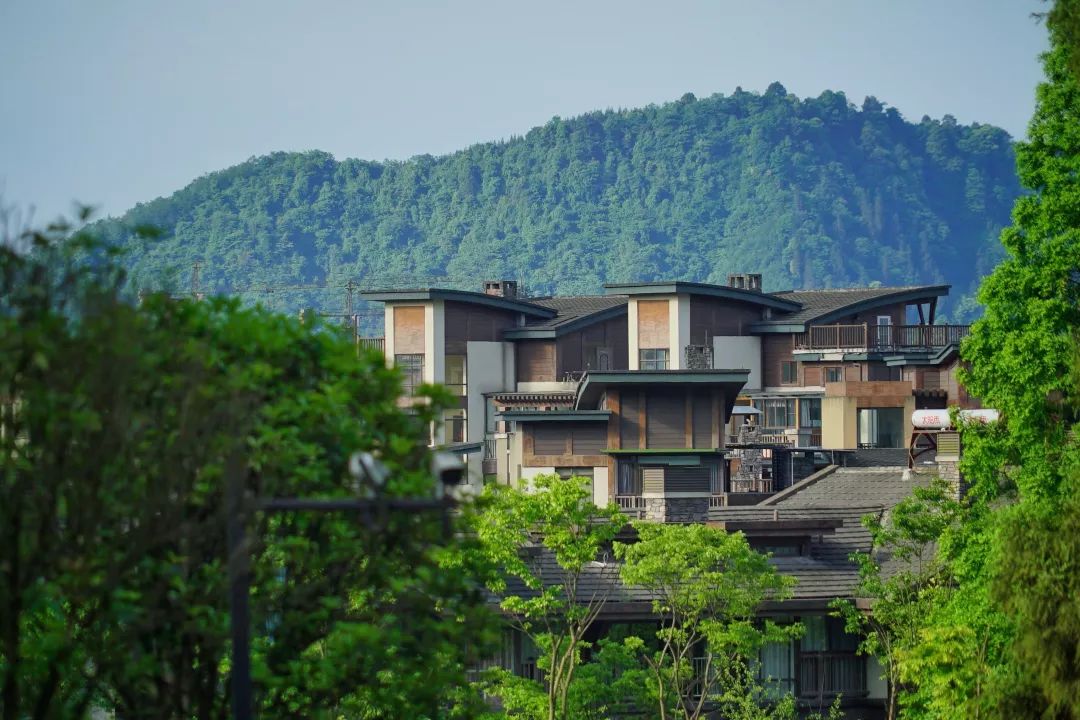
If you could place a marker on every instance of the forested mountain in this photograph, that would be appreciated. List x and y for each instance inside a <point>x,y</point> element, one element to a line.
<point>810,193</point>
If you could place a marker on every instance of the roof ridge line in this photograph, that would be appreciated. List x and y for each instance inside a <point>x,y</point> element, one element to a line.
<point>799,486</point>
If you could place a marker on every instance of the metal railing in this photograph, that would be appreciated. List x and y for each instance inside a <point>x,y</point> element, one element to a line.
<point>879,337</point>
<point>371,343</point>
<point>489,448</point>
<point>822,675</point>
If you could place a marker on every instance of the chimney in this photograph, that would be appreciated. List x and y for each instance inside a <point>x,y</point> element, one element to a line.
<point>745,281</point>
<point>501,288</point>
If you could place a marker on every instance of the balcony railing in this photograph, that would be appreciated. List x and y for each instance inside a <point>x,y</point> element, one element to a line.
<point>879,337</point>
<point>824,675</point>
<point>370,343</point>
<point>631,504</point>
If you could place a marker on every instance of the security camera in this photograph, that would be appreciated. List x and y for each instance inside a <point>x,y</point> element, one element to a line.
<point>364,467</point>
<point>447,469</point>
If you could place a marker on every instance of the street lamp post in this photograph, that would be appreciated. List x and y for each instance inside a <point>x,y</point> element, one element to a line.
<point>371,476</point>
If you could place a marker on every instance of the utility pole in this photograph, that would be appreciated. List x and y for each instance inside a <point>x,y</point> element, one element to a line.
<point>350,317</point>
<point>195,280</point>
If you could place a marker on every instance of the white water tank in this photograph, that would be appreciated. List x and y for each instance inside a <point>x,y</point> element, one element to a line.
<point>939,419</point>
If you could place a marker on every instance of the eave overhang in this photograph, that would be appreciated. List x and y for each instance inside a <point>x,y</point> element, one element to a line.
<point>900,296</point>
<point>593,384</point>
<point>706,289</point>
<point>555,415</point>
<point>526,333</point>
<point>463,296</point>
<point>464,448</point>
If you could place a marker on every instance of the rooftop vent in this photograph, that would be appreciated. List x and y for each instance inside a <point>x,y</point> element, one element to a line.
<point>501,288</point>
<point>745,281</point>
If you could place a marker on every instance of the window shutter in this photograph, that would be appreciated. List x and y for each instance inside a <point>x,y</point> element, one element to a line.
<point>628,420</point>
<point>687,479</point>
<point>652,480</point>
<point>550,439</point>
<point>665,418</point>
<point>590,438</point>
<point>703,421</point>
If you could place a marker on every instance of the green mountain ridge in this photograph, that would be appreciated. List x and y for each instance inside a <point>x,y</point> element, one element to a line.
<point>809,192</point>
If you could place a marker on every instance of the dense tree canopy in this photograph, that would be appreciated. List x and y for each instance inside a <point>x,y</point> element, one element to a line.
<point>812,193</point>
<point>117,426</point>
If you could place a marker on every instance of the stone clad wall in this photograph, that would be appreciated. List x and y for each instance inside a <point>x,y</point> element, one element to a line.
<point>677,510</point>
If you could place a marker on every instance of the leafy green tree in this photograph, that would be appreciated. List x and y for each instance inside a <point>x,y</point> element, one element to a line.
<point>520,529</point>
<point>708,586</point>
<point>1002,641</point>
<point>900,579</point>
<point>118,425</point>
<point>811,192</point>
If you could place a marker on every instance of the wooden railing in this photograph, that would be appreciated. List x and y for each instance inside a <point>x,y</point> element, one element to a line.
<point>823,675</point>
<point>630,503</point>
<point>879,337</point>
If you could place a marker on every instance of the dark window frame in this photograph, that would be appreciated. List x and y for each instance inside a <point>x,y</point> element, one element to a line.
<point>653,358</point>
<point>789,372</point>
<point>411,366</point>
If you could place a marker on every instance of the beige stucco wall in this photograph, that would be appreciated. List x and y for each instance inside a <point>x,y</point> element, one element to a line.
<point>838,423</point>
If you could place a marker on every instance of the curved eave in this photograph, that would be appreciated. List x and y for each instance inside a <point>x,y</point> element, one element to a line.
<point>690,288</point>
<point>526,333</point>
<point>463,296</point>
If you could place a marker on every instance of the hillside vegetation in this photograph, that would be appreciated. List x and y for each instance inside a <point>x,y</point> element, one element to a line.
<point>811,193</point>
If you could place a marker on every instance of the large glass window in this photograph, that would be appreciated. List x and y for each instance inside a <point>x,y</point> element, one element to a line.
<point>810,413</point>
<point>455,374</point>
<point>629,479</point>
<point>412,371</point>
<point>653,359</point>
<point>779,412</point>
<point>881,427</point>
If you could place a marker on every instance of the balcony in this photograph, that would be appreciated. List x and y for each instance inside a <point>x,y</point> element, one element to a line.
<point>878,338</point>
<point>370,343</point>
<point>632,505</point>
<point>823,676</point>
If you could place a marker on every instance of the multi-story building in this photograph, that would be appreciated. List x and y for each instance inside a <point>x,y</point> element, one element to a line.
<point>691,402</point>
<point>647,376</point>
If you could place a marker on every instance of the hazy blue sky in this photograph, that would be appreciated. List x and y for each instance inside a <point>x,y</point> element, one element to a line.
<point>114,102</point>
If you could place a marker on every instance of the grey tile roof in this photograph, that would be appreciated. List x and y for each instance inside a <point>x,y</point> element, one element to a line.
<point>880,487</point>
<point>572,309</point>
<point>818,303</point>
<point>844,496</point>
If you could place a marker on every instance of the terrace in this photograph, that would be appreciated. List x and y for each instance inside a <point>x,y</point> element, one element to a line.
<point>878,338</point>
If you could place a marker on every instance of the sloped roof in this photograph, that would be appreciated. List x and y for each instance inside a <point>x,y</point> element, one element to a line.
<point>825,305</point>
<point>570,313</point>
<point>881,487</point>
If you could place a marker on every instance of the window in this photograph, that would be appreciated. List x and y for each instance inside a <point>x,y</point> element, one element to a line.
<point>629,479</point>
<point>834,374</point>
<point>569,472</point>
<point>789,372</point>
<point>779,412</point>
<point>810,413</point>
<point>653,359</point>
<point>412,371</point>
<point>455,374</point>
<point>455,429</point>
<point>881,427</point>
